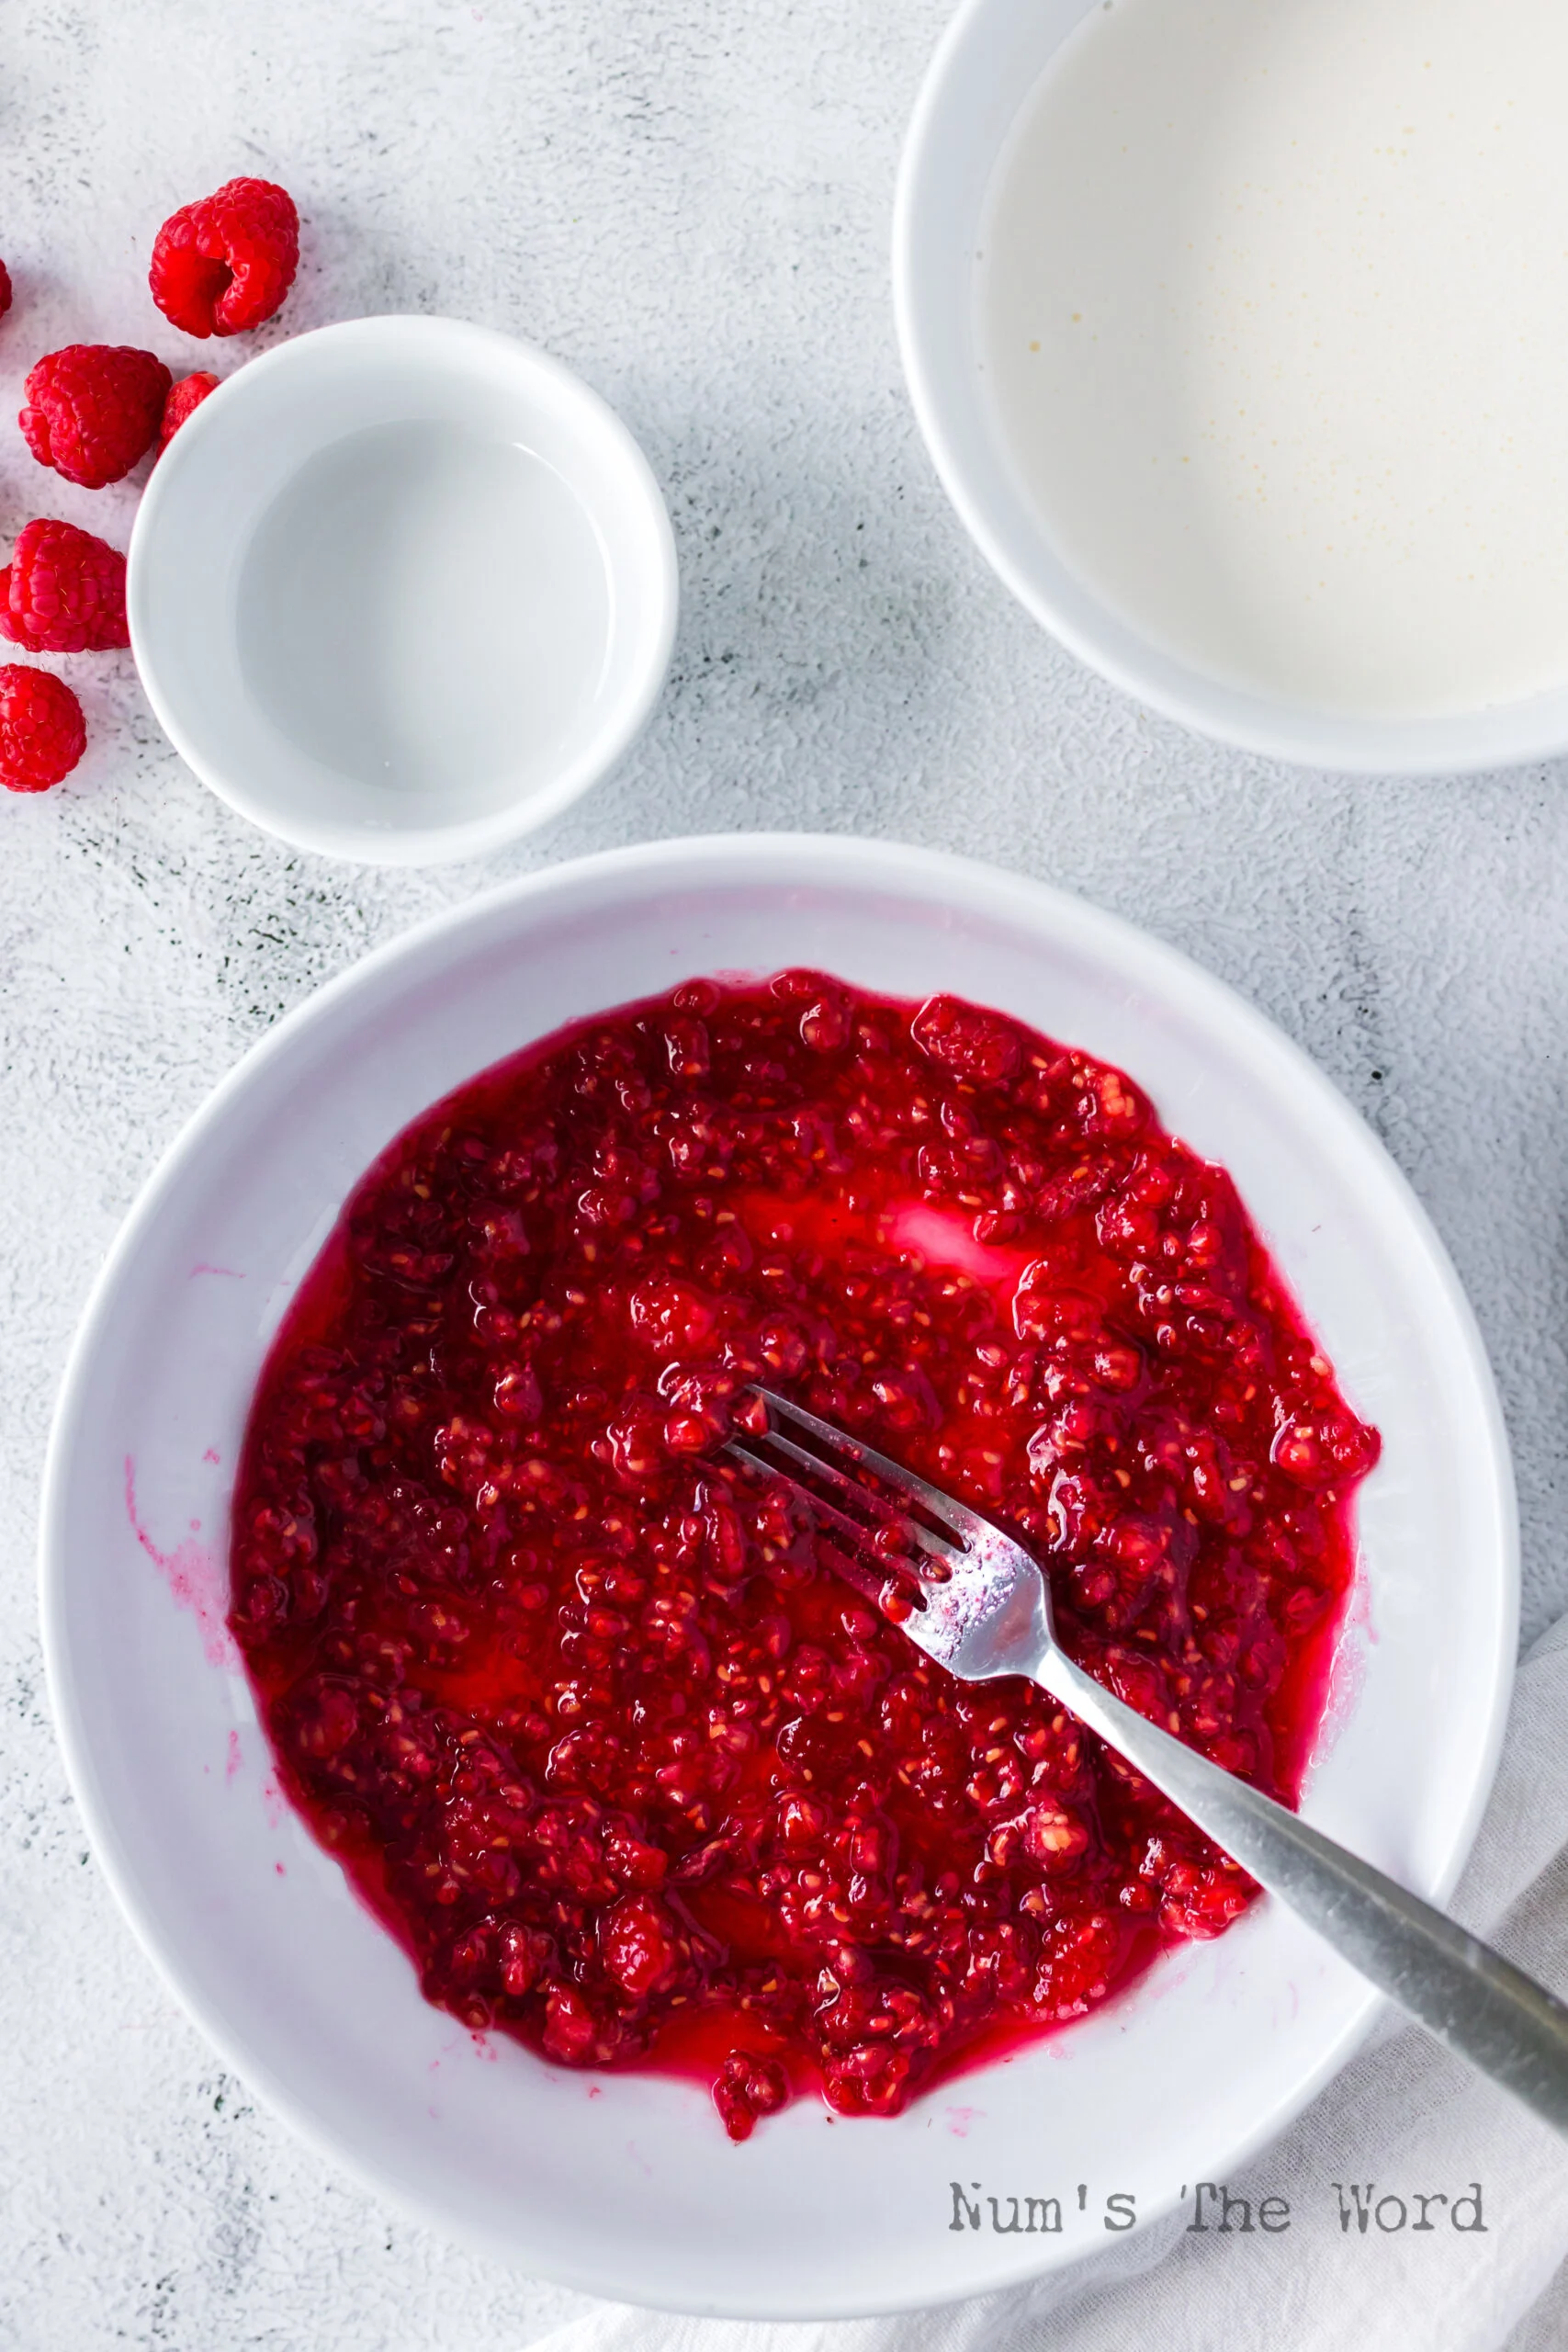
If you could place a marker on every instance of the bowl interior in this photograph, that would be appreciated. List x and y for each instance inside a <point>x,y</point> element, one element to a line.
<point>401,587</point>
<point>624,2184</point>
<point>979,85</point>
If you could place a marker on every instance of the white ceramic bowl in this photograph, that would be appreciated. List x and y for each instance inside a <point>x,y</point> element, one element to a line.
<point>626,2183</point>
<point>403,589</point>
<point>983,74</point>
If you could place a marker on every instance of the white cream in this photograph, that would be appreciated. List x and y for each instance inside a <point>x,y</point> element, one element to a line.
<point>1274,304</point>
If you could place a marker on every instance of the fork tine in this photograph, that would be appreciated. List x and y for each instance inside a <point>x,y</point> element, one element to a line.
<point>855,1570</point>
<point>937,1546</point>
<point>955,1515</point>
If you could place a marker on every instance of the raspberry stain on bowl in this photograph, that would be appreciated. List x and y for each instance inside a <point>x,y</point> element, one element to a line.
<point>630,1773</point>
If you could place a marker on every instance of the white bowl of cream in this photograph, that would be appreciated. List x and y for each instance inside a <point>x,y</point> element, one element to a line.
<point>1238,331</point>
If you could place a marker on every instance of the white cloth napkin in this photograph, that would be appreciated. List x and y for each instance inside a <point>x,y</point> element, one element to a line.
<point>1403,2118</point>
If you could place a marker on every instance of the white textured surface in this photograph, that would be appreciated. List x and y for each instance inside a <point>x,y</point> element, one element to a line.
<point>689,202</point>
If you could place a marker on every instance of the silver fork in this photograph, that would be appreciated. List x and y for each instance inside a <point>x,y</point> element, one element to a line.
<point>980,1606</point>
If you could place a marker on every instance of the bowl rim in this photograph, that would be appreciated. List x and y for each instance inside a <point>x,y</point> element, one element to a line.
<point>1473,741</point>
<point>686,861</point>
<point>463,345</point>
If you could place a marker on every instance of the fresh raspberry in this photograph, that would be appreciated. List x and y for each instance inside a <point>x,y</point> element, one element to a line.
<point>93,410</point>
<point>188,394</point>
<point>5,289</point>
<point>225,263</point>
<point>42,731</point>
<point>63,591</point>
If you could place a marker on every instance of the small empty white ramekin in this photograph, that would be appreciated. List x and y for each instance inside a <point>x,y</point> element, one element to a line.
<point>403,589</point>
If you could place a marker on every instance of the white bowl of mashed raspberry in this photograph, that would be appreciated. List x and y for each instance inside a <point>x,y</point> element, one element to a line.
<point>517,1799</point>
<point>403,589</point>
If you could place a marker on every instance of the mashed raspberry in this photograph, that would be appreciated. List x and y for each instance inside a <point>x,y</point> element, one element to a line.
<point>631,1774</point>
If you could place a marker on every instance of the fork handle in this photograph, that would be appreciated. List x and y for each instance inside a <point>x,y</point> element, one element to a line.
<point>1475,2001</point>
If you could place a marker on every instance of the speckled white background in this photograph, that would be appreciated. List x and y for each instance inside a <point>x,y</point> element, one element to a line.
<point>688,201</point>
